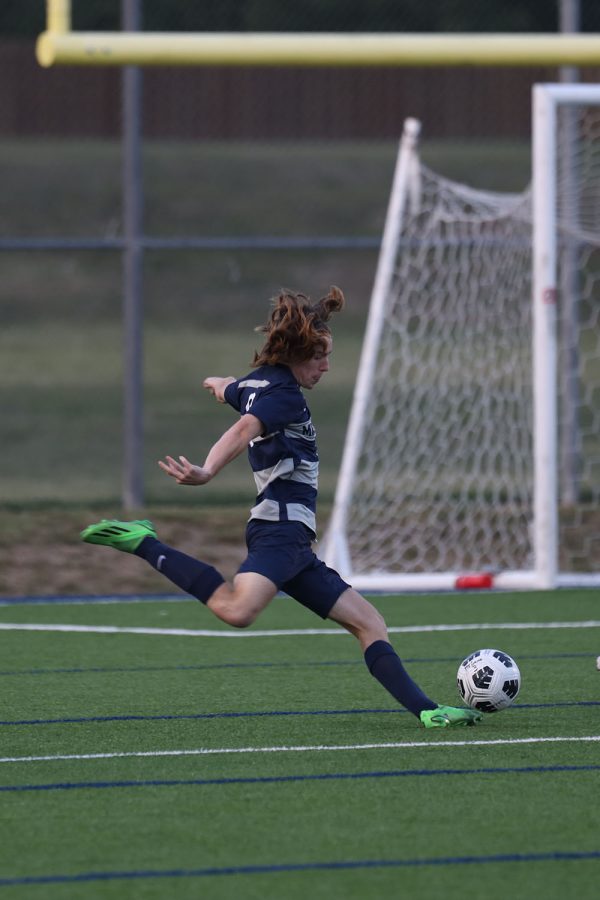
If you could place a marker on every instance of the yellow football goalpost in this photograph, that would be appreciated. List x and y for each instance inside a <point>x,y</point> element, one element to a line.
<point>60,45</point>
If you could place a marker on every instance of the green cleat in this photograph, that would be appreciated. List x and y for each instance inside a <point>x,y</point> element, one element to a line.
<point>447,716</point>
<point>126,536</point>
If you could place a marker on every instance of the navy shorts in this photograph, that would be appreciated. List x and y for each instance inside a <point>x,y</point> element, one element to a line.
<point>282,552</point>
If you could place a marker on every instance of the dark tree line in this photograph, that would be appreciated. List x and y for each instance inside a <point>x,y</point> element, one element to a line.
<point>27,17</point>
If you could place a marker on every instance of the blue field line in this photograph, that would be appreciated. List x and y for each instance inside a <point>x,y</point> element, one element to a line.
<point>334,865</point>
<point>170,717</point>
<point>197,667</point>
<point>96,598</point>
<point>200,667</point>
<point>283,779</point>
<point>75,599</point>
<point>82,720</point>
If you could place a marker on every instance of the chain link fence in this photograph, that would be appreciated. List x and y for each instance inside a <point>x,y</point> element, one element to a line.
<point>252,179</point>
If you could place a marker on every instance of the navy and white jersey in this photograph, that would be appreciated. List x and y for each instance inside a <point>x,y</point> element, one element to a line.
<point>284,459</point>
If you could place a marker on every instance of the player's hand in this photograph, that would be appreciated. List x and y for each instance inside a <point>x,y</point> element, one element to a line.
<point>217,386</point>
<point>184,472</point>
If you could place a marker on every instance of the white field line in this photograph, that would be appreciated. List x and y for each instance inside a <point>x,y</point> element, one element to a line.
<point>221,633</point>
<point>214,751</point>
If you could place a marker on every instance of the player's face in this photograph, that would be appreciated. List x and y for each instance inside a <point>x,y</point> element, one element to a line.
<point>309,372</point>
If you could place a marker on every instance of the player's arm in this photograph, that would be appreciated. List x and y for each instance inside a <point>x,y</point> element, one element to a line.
<point>217,386</point>
<point>227,448</point>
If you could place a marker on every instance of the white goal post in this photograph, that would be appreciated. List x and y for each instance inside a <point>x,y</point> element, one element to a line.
<point>472,456</point>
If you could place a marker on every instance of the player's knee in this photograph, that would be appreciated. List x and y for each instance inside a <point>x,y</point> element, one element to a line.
<point>379,620</point>
<point>240,618</point>
<point>359,617</point>
<point>233,607</point>
<point>370,618</point>
<point>373,626</point>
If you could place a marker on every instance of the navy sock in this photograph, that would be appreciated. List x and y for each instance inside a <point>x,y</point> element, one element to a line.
<point>193,576</point>
<point>385,665</point>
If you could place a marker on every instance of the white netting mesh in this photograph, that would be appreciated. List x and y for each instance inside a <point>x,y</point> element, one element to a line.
<point>444,479</point>
<point>579,338</point>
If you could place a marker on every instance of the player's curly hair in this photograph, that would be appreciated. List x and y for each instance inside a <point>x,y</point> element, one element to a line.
<point>297,328</point>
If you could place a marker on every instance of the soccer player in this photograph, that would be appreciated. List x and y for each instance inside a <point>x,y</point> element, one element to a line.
<point>275,427</point>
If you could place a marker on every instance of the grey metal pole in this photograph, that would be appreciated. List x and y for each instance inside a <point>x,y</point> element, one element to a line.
<point>569,23</point>
<point>133,482</point>
<point>568,376</point>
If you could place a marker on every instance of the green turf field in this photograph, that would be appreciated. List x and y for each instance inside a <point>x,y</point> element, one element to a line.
<point>265,765</point>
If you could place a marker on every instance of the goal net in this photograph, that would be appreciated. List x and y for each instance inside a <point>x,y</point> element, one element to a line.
<point>472,456</point>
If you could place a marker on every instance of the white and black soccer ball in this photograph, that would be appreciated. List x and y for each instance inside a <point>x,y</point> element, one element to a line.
<point>488,680</point>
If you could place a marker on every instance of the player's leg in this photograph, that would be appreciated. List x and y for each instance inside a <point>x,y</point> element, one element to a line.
<point>238,604</point>
<point>139,538</point>
<point>321,589</point>
<point>361,619</point>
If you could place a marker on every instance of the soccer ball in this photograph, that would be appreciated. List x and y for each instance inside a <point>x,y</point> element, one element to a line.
<point>488,680</point>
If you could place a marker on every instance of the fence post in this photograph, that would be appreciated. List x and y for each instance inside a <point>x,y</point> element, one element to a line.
<point>132,187</point>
